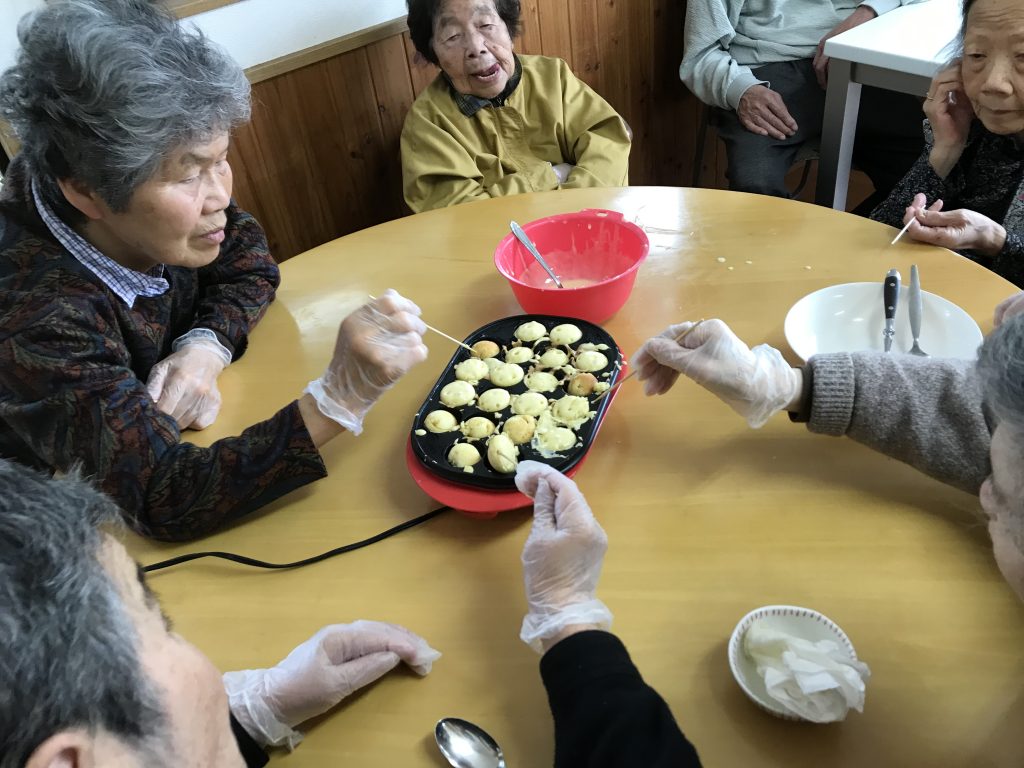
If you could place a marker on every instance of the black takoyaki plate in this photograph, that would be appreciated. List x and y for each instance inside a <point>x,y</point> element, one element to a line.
<point>431,449</point>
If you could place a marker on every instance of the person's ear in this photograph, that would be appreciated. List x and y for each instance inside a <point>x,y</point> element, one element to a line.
<point>67,749</point>
<point>82,198</point>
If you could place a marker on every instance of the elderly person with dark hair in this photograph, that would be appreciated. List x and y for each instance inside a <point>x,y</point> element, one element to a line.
<point>91,675</point>
<point>959,421</point>
<point>966,191</point>
<point>129,279</point>
<point>494,123</point>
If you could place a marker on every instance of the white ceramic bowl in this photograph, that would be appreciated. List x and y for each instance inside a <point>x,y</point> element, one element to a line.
<point>850,318</point>
<point>799,622</point>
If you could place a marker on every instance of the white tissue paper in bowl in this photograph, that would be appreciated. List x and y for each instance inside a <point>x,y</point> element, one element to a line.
<point>817,681</point>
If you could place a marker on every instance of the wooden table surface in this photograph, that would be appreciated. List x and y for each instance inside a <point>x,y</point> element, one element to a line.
<point>706,518</point>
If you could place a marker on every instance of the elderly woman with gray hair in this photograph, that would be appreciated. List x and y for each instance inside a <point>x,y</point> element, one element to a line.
<point>959,421</point>
<point>129,279</point>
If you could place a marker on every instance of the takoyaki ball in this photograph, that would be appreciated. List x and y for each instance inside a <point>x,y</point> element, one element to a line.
<point>519,355</point>
<point>590,360</point>
<point>529,404</point>
<point>520,429</point>
<point>582,384</point>
<point>492,363</point>
<point>565,334</point>
<point>541,381</point>
<point>457,394</point>
<point>530,332</point>
<point>557,439</point>
<point>506,375</point>
<point>588,345</point>
<point>485,349</point>
<point>471,370</point>
<point>553,358</point>
<point>571,411</point>
<point>440,421</point>
<point>478,428</point>
<point>502,454</point>
<point>464,456</point>
<point>494,400</point>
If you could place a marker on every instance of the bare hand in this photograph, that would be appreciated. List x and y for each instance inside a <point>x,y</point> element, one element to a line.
<point>855,19</point>
<point>762,111</point>
<point>950,113</point>
<point>958,230</point>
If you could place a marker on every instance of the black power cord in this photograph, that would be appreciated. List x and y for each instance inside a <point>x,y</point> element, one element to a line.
<point>243,560</point>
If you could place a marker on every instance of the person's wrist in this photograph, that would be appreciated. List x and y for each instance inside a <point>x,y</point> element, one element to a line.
<point>796,389</point>
<point>943,158</point>
<point>574,629</point>
<point>994,239</point>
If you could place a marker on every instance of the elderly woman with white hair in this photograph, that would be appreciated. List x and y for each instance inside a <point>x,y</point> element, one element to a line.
<point>129,279</point>
<point>959,421</point>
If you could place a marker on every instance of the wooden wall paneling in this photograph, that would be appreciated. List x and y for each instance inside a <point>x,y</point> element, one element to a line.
<point>675,112</point>
<point>271,151</point>
<point>586,48</point>
<point>531,34</point>
<point>393,88</point>
<point>422,72</point>
<point>556,36</point>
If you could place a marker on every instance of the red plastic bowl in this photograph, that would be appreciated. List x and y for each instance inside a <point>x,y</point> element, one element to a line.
<point>595,254</point>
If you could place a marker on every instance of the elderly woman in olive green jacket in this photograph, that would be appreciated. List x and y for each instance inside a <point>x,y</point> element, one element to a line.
<point>494,123</point>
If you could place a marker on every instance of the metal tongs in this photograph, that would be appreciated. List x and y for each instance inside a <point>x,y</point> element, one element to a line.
<point>890,299</point>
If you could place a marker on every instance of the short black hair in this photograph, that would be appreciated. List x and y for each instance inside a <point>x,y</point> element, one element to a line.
<point>423,12</point>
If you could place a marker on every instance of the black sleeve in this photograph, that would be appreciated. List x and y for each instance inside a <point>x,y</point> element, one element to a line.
<point>252,753</point>
<point>605,715</point>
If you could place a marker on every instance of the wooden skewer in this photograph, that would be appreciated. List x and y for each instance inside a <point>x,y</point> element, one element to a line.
<point>439,333</point>
<point>677,339</point>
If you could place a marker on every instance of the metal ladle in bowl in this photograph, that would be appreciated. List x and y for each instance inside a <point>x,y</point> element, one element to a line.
<point>528,243</point>
<point>466,745</point>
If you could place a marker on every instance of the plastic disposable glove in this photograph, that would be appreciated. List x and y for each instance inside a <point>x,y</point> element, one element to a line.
<point>184,384</point>
<point>377,344</point>
<point>336,661</point>
<point>755,383</point>
<point>1008,308</point>
<point>562,171</point>
<point>562,557</point>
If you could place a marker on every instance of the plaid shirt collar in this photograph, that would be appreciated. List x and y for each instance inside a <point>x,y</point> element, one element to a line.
<point>127,283</point>
<point>469,105</point>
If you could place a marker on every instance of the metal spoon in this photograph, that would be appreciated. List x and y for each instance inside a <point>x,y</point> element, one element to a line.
<point>466,745</point>
<point>526,241</point>
<point>915,311</point>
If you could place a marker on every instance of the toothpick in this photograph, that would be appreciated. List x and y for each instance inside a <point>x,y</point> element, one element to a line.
<point>677,339</point>
<point>903,231</point>
<point>439,333</point>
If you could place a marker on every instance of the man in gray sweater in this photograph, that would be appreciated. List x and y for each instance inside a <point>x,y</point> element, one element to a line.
<point>762,66</point>
<point>960,421</point>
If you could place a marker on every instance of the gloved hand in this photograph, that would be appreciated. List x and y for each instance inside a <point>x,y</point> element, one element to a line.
<point>184,384</point>
<point>377,344</point>
<point>336,661</point>
<point>755,383</point>
<point>562,171</point>
<point>562,557</point>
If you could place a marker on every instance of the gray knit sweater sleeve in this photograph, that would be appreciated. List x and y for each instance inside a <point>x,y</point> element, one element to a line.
<point>926,412</point>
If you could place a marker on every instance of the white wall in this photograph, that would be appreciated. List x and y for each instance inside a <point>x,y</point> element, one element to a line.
<point>253,31</point>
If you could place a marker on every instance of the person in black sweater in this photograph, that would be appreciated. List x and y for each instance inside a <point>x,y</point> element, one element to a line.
<point>605,715</point>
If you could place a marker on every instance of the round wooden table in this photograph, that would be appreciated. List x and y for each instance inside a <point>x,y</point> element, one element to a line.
<point>706,518</point>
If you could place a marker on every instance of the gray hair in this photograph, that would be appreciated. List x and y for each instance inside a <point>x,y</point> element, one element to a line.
<point>104,90</point>
<point>68,649</point>
<point>1001,369</point>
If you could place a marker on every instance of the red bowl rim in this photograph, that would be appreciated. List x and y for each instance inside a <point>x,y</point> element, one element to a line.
<point>587,213</point>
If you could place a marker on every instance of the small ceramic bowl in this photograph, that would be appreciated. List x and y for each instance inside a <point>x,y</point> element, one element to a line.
<point>793,620</point>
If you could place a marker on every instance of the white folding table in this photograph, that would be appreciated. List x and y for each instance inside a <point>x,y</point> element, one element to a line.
<point>899,51</point>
